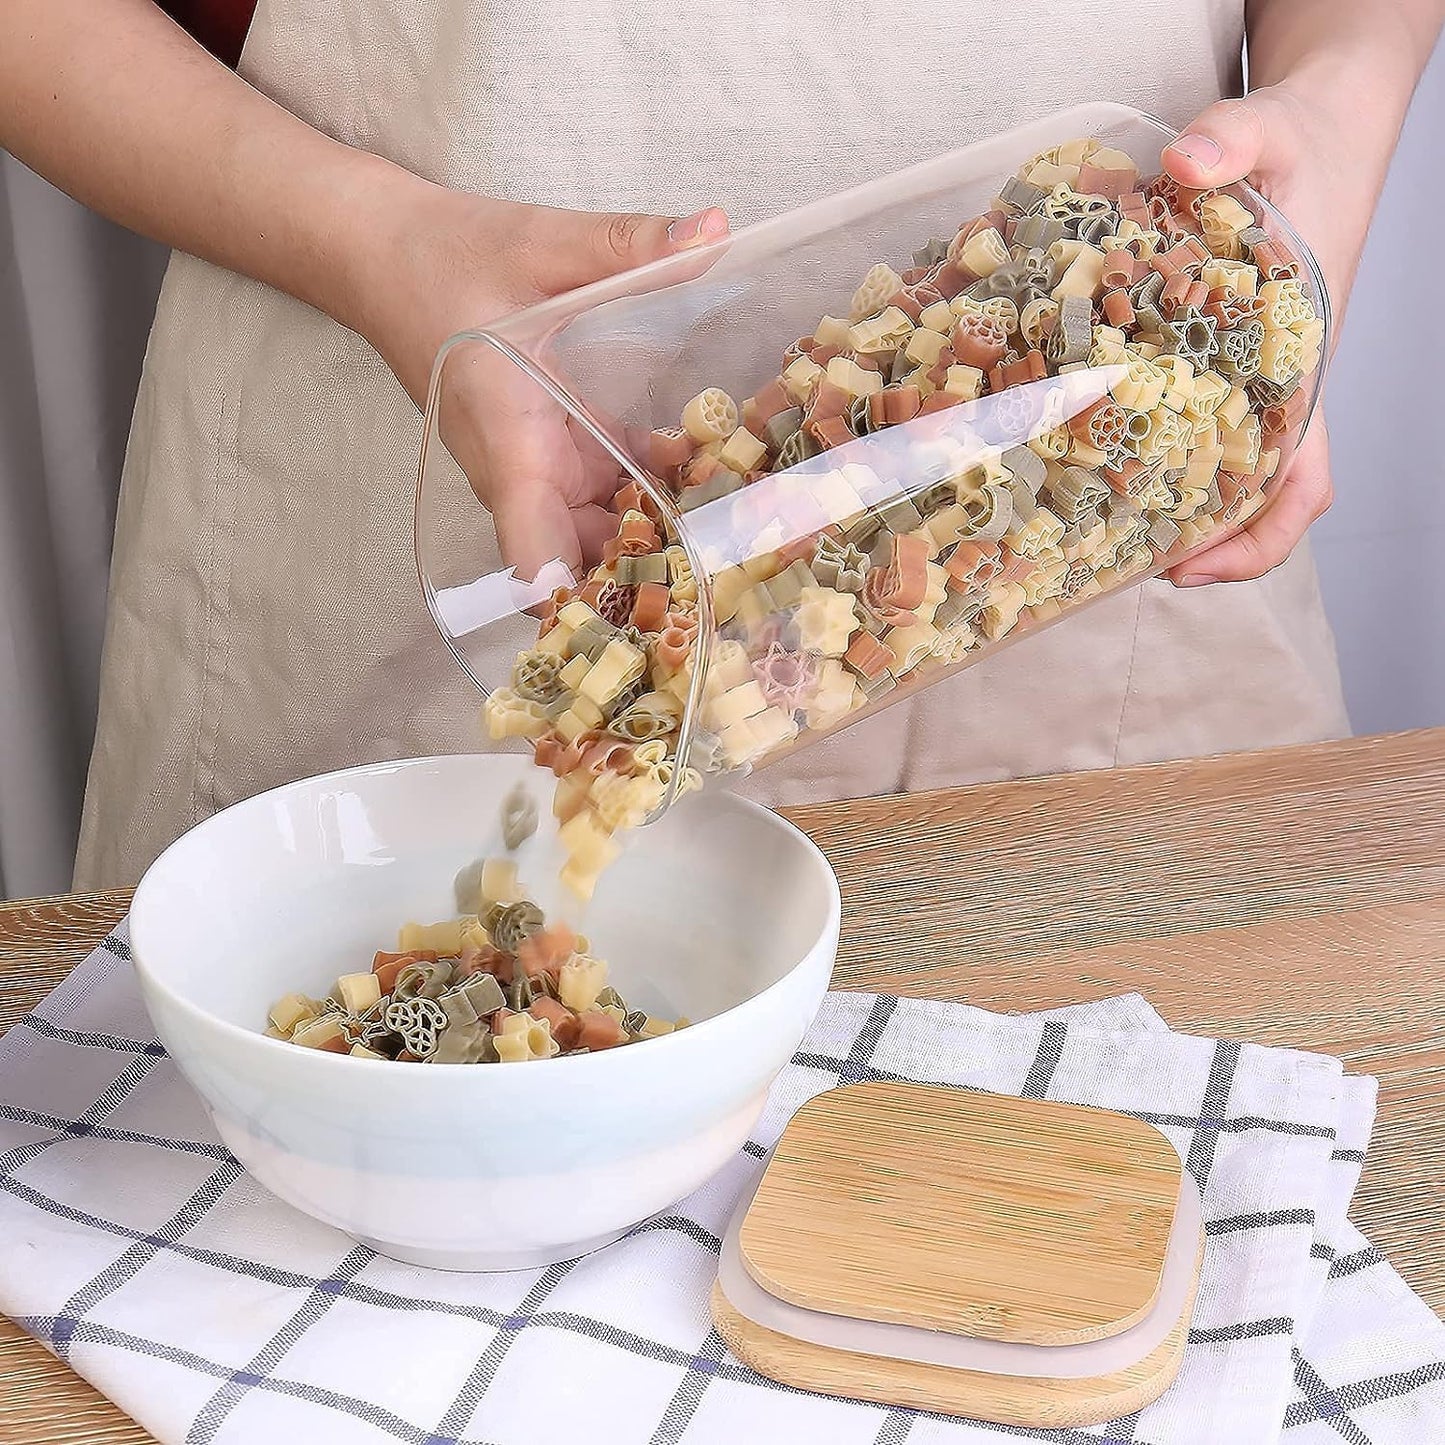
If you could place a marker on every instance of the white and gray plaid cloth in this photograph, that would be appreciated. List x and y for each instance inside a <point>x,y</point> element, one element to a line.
<point>133,1245</point>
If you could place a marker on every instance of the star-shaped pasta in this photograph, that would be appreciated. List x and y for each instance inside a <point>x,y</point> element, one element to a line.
<point>1192,336</point>
<point>827,619</point>
<point>523,1038</point>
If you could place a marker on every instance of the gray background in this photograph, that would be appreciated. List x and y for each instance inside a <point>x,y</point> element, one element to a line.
<point>72,337</point>
<point>1379,548</point>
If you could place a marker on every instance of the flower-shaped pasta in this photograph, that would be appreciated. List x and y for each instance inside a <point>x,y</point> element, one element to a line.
<point>534,677</point>
<point>710,416</point>
<point>979,340</point>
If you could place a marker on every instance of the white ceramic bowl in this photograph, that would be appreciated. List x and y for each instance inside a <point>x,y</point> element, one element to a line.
<point>721,911</point>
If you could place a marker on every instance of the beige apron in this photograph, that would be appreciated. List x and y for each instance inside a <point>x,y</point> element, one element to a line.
<point>264,619</point>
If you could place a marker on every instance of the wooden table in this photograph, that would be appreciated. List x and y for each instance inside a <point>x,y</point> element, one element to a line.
<point>1292,897</point>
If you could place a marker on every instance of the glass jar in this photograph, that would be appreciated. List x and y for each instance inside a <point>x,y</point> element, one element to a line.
<point>837,456</point>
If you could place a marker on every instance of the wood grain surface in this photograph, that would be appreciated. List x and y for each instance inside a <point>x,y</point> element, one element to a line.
<point>1011,1399</point>
<point>1058,1217</point>
<point>1293,897</point>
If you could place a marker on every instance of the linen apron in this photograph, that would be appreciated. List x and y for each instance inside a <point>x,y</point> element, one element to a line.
<point>265,621</point>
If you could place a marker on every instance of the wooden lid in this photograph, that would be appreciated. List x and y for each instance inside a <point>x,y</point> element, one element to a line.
<point>979,1214</point>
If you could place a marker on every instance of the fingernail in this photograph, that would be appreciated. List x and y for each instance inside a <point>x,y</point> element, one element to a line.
<point>686,231</point>
<point>1197,579</point>
<point>694,230</point>
<point>1204,152</point>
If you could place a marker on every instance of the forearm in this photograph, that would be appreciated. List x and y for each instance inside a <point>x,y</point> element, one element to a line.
<point>1362,60</point>
<point>1339,76</point>
<point>116,105</point>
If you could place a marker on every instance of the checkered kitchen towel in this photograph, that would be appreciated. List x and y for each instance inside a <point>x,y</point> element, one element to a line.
<point>134,1246</point>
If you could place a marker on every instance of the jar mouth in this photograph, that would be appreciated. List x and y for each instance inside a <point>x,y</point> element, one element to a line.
<point>477,605</point>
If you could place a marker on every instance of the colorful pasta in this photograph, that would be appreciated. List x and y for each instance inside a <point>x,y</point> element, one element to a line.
<point>512,990</point>
<point>843,559</point>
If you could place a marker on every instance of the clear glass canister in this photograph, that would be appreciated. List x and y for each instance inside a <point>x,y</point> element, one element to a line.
<point>805,470</point>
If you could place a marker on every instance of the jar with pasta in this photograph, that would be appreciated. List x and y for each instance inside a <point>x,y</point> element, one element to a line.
<point>804,471</point>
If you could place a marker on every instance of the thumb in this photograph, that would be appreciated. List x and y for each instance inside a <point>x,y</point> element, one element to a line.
<point>1229,140</point>
<point>580,246</point>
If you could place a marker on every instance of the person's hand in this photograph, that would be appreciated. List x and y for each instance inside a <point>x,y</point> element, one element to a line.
<point>1290,149</point>
<point>455,261</point>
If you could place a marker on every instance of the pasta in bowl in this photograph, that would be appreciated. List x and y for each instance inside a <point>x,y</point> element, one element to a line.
<point>722,913</point>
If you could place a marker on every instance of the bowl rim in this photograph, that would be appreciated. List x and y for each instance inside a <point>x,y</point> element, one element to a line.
<point>150,982</point>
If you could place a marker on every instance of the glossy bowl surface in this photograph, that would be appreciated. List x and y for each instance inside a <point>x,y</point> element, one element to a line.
<point>726,914</point>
